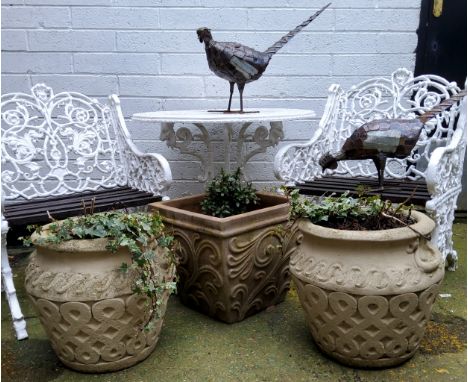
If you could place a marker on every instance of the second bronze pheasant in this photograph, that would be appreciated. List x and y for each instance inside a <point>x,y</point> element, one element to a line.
<point>240,64</point>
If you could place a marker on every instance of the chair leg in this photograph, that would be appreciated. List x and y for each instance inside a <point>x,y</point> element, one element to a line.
<point>7,284</point>
<point>443,215</point>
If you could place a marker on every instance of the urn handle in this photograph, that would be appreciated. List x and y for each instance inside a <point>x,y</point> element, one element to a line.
<point>426,255</point>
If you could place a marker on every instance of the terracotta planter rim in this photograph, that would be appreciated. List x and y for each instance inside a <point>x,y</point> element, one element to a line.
<point>167,205</point>
<point>424,225</point>
<point>174,212</point>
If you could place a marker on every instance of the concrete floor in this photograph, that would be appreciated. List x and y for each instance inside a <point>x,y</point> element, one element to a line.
<point>274,345</point>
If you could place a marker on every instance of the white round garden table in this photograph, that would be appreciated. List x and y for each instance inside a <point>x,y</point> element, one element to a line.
<point>267,132</point>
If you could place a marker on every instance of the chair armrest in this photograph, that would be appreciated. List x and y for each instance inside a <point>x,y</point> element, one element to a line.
<point>144,171</point>
<point>298,162</point>
<point>445,168</point>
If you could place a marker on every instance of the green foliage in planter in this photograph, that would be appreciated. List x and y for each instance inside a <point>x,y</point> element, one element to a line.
<point>345,212</point>
<point>228,195</point>
<point>139,232</point>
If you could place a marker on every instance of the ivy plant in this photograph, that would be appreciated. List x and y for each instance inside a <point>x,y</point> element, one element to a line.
<point>227,194</point>
<point>139,232</point>
<point>346,212</point>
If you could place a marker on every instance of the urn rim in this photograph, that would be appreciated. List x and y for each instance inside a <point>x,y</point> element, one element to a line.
<point>424,225</point>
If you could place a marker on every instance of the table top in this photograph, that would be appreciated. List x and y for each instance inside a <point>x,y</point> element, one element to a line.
<point>204,116</point>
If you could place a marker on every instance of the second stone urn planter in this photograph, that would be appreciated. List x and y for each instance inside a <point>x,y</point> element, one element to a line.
<point>86,304</point>
<point>230,268</point>
<point>367,295</point>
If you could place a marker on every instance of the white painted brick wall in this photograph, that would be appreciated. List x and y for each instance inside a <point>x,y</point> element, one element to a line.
<point>147,51</point>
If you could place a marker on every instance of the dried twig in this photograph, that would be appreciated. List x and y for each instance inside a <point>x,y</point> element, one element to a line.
<point>88,210</point>
<point>51,217</point>
<point>407,199</point>
<point>427,237</point>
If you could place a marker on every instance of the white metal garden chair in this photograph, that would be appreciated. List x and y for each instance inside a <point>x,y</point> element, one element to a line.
<point>436,161</point>
<point>60,151</point>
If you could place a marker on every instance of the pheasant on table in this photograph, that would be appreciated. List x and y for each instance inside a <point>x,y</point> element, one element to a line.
<point>240,64</point>
<point>385,138</point>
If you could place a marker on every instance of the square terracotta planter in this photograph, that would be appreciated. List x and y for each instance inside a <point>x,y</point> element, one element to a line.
<point>230,268</point>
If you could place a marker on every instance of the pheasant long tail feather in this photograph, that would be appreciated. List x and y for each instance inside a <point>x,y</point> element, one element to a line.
<point>442,106</point>
<point>287,37</point>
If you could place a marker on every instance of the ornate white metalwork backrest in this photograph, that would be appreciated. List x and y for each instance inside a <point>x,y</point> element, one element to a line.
<point>400,96</point>
<point>54,144</point>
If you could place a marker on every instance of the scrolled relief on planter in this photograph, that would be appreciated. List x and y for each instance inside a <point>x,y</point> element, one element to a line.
<point>353,276</point>
<point>258,266</point>
<point>230,268</point>
<point>200,280</point>
<point>252,274</point>
<point>62,286</point>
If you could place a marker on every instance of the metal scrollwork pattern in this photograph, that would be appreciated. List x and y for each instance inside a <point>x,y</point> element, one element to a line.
<point>144,171</point>
<point>66,143</point>
<point>262,137</point>
<point>400,96</point>
<point>54,144</point>
<point>183,140</point>
<point>444,175</point>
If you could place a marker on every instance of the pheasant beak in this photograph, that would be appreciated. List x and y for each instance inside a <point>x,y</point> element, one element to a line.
<point>201,33</point>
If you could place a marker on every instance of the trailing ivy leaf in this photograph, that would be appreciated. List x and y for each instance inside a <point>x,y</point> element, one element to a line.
<point>345,212</point>
<point>124,267</point>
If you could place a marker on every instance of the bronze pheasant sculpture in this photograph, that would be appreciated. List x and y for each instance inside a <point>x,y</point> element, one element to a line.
<point>240,64</point>
<point>385,138</point>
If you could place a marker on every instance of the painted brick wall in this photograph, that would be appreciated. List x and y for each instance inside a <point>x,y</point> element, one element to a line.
<point>147,51</point>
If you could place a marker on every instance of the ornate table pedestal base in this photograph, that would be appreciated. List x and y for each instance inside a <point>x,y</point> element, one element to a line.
<point>258,132</point>
<point>181,139</point>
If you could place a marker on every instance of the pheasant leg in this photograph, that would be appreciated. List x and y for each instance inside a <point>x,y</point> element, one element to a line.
<point>241,91</point>
<point>241,111</point>
<point>380,165</point>
<point>231,84</point>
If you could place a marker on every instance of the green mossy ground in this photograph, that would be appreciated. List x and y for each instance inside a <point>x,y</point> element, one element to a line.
<point>274,345</point>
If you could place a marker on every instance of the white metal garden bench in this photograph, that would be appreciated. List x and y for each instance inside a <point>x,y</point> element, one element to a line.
<point>431,175</point>
<point>64,153</point>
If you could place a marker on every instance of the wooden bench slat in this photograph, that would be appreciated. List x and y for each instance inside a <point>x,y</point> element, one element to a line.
<point>106,200</point>
<point>357,181</point>
<point>395,190</point>
<point>77,210</point>
<point>111,199</point>
<point>75,198</point>
<point>324,188</point>
<point>82,195</point>
<point>76,206</point>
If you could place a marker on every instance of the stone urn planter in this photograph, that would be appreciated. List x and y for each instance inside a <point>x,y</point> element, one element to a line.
<point>86,305</point>
<point>367,295</point>
<point>230,268</point>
